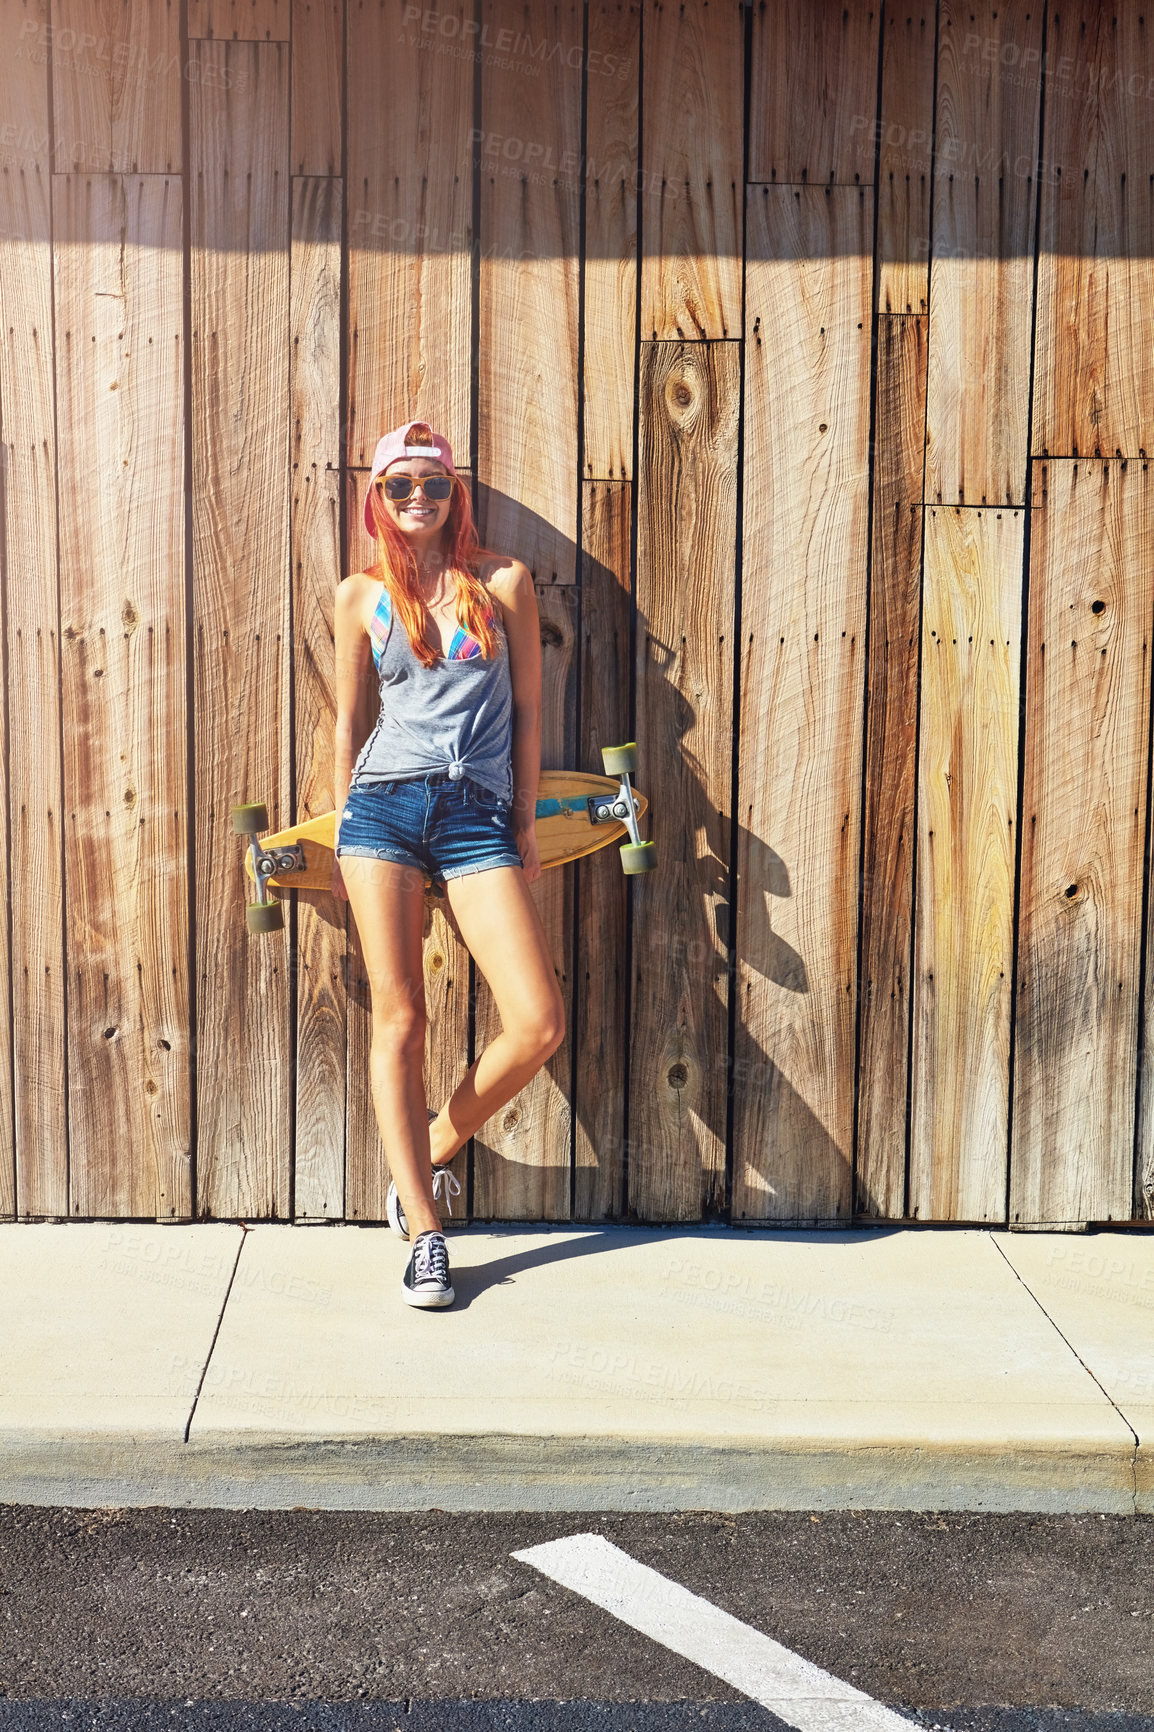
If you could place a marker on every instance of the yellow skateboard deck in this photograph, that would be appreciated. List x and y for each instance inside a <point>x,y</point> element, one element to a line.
<point>565,830</point>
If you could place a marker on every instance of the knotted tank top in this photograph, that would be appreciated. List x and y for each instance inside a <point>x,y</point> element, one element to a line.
<point>456,716</point>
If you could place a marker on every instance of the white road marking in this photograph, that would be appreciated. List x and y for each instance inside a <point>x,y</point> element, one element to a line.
<point>794,1689</point>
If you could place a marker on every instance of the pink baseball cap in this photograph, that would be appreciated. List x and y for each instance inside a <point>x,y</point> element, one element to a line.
<point>424,443</point>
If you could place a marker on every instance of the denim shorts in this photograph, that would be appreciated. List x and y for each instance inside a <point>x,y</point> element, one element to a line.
<point>443,827</point>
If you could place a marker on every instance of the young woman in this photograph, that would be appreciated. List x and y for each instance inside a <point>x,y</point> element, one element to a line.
<point>445,634</point>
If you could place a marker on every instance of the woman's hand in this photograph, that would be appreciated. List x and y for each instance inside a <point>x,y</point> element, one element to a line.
<point>526,837</point>
<point>338,884</point>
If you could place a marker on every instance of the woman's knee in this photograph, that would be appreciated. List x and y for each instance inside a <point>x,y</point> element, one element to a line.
<point>541,1035</point>
<point>400,1030</point>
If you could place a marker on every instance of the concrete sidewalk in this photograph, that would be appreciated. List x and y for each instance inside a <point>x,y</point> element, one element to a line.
<point>581,1368</point>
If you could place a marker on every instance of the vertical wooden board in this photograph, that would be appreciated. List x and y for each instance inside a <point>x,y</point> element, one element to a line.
<point>809,270</point>
<point>116,86</point>
<point>241,573</point>
<point>446,973</point>
<point>1094,366</point>
<point>33,1118</point>
<point>685,588</point>
<point>244,20</point>
<point>409,219</point>
<point>610,313</point>
<point>814,81</point>
<point>317,96</point>
<point>890,793</point>
<point>905,133</point>
<point>1083,836</point>
<point>521,1154</point>
<point>528,377</point>
<point>981,277</point>
<point>599,984</point>
<point>118,267</point>
<point>691,240</point>
<point>967,800</point>
<point>314,396</point>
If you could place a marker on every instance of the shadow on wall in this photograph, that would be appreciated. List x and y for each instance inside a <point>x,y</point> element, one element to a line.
<point>651,982</point>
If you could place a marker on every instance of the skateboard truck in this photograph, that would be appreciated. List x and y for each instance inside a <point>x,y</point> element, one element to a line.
<point>622,808</point>
<point>266,913</point>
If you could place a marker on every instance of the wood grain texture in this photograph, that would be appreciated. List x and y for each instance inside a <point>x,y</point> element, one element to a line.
<point>1083,836</point>
<point>528,381</point>
<point>905,132</point>
<point>981,278</point>
<point>120,419</point>
<point>33,1097</point>
<point>410,179</point>
<point>691,204</point>
<point>521,1160</point>
<point>116,86</point>
<point>1094,365</point>
<point>890,789</point>
<point>314,396</point>
<point>600,1029</point>
<point>317,94</point>
<point>610,314</point>
<point>245,20</point>
<point>554,156</point>
<point>804,569</point>
<point>446,973</point>
<point>241,557</point>
<point>967,804</point>
<point>814,84</point>
<point>685,590</point>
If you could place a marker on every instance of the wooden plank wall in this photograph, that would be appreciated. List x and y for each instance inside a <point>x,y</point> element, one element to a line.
<point>802,351</point>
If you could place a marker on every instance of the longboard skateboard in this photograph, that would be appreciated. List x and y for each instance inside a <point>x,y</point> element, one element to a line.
<point>577,813</point>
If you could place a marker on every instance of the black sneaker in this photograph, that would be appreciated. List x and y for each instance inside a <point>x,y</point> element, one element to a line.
<point>426,1280</point>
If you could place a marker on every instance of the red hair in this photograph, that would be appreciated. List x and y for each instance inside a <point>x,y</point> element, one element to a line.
<point>396,568</point>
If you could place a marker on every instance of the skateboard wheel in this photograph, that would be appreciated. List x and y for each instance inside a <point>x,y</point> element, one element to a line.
<point>249,820</point>
<point>264,917</point>
<point>620,760</point>
<point>638,857</point>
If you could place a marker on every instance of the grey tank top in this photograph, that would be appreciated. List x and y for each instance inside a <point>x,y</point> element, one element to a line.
<point>456,716</point>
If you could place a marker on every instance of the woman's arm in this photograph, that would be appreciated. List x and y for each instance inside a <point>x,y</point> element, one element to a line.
<point>523,630</point>
<point>354,694</point>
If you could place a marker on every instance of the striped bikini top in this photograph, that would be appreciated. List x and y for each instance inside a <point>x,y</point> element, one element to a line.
<point>462,649</point>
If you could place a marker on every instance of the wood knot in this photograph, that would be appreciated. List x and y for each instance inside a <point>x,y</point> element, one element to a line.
<point>678,1076</point>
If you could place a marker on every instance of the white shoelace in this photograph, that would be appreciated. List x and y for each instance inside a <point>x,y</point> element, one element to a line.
<point>445,1186</point>
<point>430,1258</point>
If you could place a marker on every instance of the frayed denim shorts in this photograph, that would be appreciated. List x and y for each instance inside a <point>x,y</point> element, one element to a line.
<point>442,826</point>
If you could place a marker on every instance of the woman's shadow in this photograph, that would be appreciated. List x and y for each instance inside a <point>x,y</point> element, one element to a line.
<point>677,1113</point>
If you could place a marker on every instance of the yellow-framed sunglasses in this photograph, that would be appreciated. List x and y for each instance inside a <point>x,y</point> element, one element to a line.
<point>398,488</point>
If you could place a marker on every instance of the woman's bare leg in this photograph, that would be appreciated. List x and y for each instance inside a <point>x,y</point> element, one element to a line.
<point>500,924</point>
<point>388,904</point>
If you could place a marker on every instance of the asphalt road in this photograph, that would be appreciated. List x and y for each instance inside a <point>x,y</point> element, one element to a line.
<point>132,1619</point>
